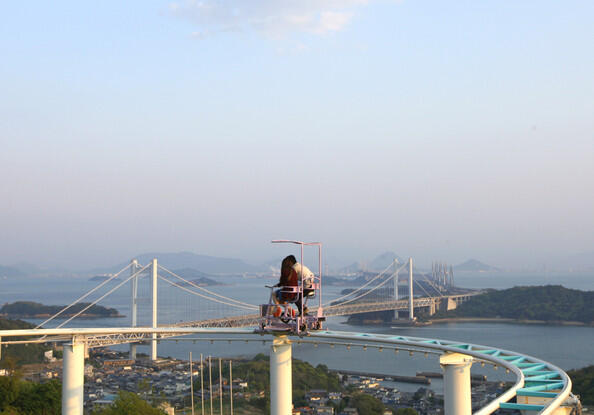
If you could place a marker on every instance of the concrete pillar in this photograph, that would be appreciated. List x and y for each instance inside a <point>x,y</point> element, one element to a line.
<point>281,388</point>
<point>154,274</point>
<point>396,294</point>
<point>432,307</point>
<point>456,383</point>
<point>134,303</point>
<point>73,378</point>
<point>411,312</point>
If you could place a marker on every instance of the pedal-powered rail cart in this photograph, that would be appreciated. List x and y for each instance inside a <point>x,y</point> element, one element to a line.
<point>281,316</point>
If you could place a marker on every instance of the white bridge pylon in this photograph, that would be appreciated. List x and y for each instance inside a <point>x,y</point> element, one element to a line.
<point>539,386</point>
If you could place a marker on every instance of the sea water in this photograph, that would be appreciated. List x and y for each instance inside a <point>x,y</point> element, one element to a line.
<point>565,346</point>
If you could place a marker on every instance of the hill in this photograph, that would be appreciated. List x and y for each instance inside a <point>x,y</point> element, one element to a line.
<point>181,260</point>
<point>197,277</point>
<point>475,266</point>
<point>552,303</point>
<point>33,353</point>
<point>384,260</point>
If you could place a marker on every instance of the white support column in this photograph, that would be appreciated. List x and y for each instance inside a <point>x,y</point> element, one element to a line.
<point>154,274</point>
<point>134,303</point>
<point>396,294</point>
<point>456,383</point>
<point>411,312</point>
<point>281,388</point>
<point>73,378</point>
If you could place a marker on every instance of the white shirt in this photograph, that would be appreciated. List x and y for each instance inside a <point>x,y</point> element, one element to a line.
<point>303,271</point>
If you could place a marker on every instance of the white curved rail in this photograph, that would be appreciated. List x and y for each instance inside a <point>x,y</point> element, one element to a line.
<point>534,377</point>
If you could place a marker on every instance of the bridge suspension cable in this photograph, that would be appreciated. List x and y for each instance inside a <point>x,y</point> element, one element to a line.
<point>366,292</point>
<point>247,306</point>
<point>225,300</point>
<point>428,281</point>
<point>364,285</point>
<point>105,295</point>
<point>83,296</point>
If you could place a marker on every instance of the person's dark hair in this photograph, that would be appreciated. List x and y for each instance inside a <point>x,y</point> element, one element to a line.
<point>289,261</point>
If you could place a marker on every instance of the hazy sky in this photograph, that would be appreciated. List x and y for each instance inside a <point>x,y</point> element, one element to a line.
<point>438,129</point>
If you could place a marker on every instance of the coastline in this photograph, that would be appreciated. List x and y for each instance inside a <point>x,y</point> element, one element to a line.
<point>376,322</point>
<point>507,320</point>
<point>61,317</point>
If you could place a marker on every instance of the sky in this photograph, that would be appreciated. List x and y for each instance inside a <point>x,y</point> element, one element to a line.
<point>434,129</point>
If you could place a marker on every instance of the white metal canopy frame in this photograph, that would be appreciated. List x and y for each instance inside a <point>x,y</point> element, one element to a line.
<point>539,387</point>
<point>275,324</point>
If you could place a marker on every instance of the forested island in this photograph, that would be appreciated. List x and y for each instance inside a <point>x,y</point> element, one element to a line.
<point>30,309</point>
<point>549,303</point>
<point>536,304</point>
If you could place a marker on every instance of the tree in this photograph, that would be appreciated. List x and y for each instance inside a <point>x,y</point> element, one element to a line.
<point>40,398</point>
<point>128,403</point>
<point>367,404</point>
<point>406,411</point>
<point>9,391</point>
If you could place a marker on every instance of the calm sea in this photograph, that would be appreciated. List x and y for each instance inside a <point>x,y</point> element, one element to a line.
<point>567,347</point>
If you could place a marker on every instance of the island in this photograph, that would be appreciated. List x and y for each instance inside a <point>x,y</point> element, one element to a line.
<point>532,304</point>
<point>30,309</point>
<point>550,304</point>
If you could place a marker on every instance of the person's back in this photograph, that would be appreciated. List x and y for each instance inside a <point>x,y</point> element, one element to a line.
<point>305,274</point>
<point>288,278</point>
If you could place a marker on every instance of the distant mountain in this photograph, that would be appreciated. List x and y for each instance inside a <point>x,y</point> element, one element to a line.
<point>383,261</point>
<point>379,263</point>
<point>10,272</point>
<point>181,260</point>
<point>475,266</point>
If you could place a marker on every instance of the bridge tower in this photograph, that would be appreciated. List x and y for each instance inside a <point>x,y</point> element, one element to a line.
<point>134,303</point>
<point>154,277</point>
<point>396,293</point>
<point>411,312</point>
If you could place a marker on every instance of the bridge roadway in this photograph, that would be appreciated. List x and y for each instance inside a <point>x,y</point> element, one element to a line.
<point>539,387</point>
<point>331,311</point>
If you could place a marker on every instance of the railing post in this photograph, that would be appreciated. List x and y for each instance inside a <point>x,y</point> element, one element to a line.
<point>73,378</point>
<point>281,388</point>
<point>411,312</point>
<point>154,274</point>
<point>456,383</point>
<point>134,303</point>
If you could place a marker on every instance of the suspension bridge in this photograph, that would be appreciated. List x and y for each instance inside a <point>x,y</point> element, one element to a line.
<point>179,307</point>
<point>167,299</point>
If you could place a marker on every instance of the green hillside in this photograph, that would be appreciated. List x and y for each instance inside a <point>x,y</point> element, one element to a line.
<point>546,303</point>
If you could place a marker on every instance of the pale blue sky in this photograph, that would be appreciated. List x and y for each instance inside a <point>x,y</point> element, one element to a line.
<point>435,129</point>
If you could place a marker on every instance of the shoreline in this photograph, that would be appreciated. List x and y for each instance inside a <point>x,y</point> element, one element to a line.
<point>508,320</point>
<point>61,317</point>
<point>501,320</point>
